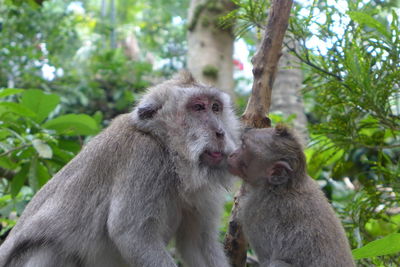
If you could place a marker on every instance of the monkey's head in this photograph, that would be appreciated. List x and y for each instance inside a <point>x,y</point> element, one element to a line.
<point>269,156</point>
<point>195,122</point>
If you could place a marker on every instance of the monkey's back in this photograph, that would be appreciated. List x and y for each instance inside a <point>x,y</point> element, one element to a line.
<point>59,210</point>
<point>299,228</point>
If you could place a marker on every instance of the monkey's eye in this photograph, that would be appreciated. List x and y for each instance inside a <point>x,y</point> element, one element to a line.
<point>215,107</point>
<point>199,107</point>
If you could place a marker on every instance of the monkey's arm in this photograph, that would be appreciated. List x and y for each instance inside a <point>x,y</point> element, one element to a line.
<point>137,213</point>
<point>137,233</point>
<point>197,238</point>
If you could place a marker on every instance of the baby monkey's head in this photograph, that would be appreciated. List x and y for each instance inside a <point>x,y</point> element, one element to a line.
<point>269,156</point>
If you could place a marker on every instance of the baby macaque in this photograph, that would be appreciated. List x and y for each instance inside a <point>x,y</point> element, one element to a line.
<point>285,216</point>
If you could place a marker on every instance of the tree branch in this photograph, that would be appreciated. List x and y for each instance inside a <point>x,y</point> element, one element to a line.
<point>5,153</point>
<point>265,63</point>
<point>309,63</point>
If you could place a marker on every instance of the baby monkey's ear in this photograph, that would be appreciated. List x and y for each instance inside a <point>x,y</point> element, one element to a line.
<point>279,172</point>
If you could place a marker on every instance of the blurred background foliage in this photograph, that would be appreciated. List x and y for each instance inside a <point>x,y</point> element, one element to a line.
<point>68,67</point>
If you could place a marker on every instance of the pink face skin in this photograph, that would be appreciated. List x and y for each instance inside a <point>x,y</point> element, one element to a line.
<point>206,110</point>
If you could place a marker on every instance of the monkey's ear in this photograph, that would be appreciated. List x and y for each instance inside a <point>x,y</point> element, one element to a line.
<point>147,111</point>
<point>279,172</point>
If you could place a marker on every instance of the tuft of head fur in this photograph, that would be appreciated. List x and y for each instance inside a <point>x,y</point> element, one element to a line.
<point>184,77</point>
<point>282,130</point>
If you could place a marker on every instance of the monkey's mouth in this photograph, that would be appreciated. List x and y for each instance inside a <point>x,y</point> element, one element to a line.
<point>212,158</point>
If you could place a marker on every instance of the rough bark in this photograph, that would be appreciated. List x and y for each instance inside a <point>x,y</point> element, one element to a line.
<point>210,46</point>
<point>265,63</point>
<point>235,243</point>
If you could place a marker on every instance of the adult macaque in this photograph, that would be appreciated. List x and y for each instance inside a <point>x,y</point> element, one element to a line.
<point>285,216</point>
<point>153,174</point>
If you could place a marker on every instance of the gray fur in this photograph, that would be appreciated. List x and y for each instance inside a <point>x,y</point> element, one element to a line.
<point>130,190</point>
<point>289,224</point>
<point>297,227</point>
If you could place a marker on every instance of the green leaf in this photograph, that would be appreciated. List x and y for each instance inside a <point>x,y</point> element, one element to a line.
<point>18,109</point>
<point>19,180</point>
<point>98,116</point>
<point>33,4</point>
<point>10,91</point>
<point>365,19</point>
<point>321,153</point>
<point>73,124</point>
<point>7,163</point>
<point>32,174</point>
<point>43,149</point>
<point>387,245</point>
<point>39,102</point>
<point>4,133</point>
<point>42,174</point>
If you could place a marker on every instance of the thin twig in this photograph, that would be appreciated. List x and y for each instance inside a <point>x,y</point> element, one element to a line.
<point>309,63</point>
<point>14,149</point>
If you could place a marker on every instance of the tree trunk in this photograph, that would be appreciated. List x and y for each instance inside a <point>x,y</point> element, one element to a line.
<point>113,15</point>
<point>286,97</point>
<point>265,63</point>
<point>210,47</point>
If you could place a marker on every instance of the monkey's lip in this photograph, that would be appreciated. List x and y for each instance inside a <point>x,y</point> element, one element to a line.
<point>213,157</point>
<point>215,154</point>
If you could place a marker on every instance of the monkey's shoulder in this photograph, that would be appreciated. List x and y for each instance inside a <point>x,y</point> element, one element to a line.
<point>123,137</point>
<point>305,203</point>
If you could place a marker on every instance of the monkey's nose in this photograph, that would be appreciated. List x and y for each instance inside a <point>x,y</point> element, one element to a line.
<point>220,133</point>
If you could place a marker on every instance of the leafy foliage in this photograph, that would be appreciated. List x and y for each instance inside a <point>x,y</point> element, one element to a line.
<point>350,54</point>
<point>387,245</point>
<point>246,16</point>
<point>75,54</point>
<point>34,144</point>
<point>26,47</point>
<point>353,88</point>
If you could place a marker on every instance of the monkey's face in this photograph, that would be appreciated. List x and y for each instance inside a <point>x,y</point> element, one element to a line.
<point>195,122</point>
<point>241,161</point>
<point>206,129</point>
<point>264,157</point>
<point>247,161</point>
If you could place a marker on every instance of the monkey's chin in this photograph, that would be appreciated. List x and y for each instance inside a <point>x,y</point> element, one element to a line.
<point>212,158</point>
